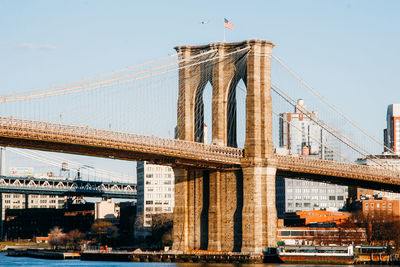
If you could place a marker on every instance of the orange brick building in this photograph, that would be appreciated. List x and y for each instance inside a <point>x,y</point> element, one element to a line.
<point>380,207</point>
<point>323,216</point>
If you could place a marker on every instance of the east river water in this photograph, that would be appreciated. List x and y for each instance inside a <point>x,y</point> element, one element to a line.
<point>24,261</point>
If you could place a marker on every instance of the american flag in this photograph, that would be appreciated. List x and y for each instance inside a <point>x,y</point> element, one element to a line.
<point>228,24</point>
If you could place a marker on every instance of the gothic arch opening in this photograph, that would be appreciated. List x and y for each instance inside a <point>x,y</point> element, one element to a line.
<point>236,113</point>
<point>203,113</point>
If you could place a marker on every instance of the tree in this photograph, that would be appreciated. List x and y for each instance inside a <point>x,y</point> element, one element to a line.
<point>382,229</point>
<point>75,239</point>
<point>57,238</point>
<point>161,229</point>
<point>104,231</point>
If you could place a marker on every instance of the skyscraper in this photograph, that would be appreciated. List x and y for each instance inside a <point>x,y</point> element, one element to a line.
<point>300,134</point>
<point>391,135</point>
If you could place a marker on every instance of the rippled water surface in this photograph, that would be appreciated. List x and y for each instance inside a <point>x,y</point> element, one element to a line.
<point>23,261</point>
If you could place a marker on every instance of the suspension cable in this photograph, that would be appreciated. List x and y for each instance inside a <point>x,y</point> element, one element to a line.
<point>327,103</point>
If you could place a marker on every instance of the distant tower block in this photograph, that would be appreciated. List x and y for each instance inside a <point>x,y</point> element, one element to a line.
<point>65,171</point>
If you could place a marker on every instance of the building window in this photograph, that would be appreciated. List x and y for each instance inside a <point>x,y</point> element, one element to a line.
<point>332,197</point>
<point>285,233</point>
<point>340,198</point>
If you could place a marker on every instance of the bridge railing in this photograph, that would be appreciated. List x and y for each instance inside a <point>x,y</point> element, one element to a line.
<point>339,169</point>
<point>57,132</point>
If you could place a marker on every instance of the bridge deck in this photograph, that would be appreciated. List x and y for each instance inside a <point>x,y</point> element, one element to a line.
<point>105,143</point>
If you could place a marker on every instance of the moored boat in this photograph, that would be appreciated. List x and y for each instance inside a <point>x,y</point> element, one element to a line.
<point>317,254</point>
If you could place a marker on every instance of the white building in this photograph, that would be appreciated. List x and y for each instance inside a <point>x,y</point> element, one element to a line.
<point>155,192</point>
<point>105,209</point>
<point>300,134</point>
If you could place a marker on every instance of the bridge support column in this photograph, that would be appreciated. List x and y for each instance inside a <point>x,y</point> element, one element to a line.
<point>259,212</point>
<point>225,212</point>
<point>189,230</point>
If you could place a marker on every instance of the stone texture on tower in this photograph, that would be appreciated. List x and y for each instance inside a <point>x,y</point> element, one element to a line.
<point>218,209</point>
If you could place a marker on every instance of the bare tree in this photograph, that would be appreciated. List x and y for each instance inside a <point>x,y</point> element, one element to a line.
<point>57,237</point>
<point>75,239</point>
<point>161,229</point>
<point>381,228</point>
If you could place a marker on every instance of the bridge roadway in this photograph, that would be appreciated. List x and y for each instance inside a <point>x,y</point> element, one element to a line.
<point>66,187</point>
<point>74,139</point>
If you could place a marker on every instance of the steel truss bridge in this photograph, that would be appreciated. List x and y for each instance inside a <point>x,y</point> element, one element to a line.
<point>105,143</point>
<point>67,187</point>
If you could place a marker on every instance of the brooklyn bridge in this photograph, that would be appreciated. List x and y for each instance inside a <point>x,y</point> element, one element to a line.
<point>224,194</point>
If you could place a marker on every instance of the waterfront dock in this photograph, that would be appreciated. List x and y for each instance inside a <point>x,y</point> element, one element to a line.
<point>44,254</point>
<point>174,257</point>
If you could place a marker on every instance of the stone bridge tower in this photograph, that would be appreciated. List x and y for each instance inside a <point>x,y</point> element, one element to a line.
<point>226,210</point>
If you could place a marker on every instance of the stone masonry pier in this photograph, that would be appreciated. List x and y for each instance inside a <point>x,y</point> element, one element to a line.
<point>227,210</point>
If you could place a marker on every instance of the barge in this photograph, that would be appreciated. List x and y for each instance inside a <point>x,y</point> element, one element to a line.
<point>316,254</point>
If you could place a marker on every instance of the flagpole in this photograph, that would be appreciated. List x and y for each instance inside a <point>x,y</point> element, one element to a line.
<point>224,35</point>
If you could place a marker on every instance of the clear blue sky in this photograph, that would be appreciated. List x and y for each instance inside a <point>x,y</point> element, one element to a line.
<point>347,50</point>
